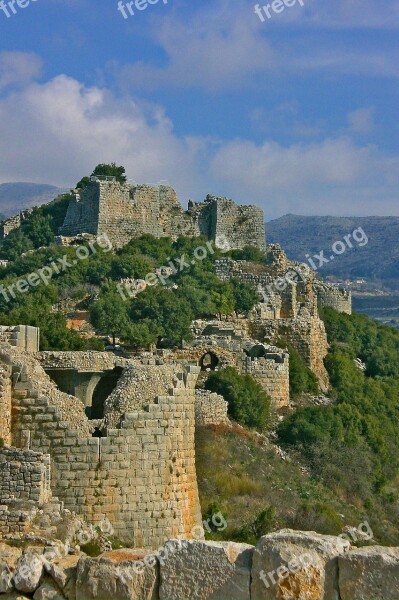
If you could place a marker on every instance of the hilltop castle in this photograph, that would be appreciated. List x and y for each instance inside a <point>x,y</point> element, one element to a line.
<point>139,471</point>
<point>126,211</point>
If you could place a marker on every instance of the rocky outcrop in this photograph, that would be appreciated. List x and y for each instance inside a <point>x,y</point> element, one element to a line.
<point>371,572</point>
<point>286,565</point>
<point>292,564</point>
<point>194,570</point>
<point>121,574</point>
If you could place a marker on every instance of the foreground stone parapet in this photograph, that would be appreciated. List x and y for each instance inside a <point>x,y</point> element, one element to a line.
<point>294,564</point>
<point>369,573</point>
<point>121,574</point>
<point>205,570</point>
<point>286,565</point>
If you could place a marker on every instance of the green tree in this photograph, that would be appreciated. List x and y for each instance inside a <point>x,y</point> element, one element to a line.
<point>170,315</point>
<point>245,296</point>
<point>15,244</point>
<point>110,170</point>
<point>109,315</point>
<point>248,403</point>
<point>39,229</point>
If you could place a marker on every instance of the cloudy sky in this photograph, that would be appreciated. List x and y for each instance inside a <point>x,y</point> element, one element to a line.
<point>298,114</point>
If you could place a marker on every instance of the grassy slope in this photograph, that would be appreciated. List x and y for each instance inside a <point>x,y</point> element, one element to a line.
<point>244,476</point>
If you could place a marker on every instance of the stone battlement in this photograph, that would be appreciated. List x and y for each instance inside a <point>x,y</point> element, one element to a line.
<point>126,211</point>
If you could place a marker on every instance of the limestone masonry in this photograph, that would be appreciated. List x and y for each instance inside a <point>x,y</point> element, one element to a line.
<point>125,211</point>
<point>91,437</point>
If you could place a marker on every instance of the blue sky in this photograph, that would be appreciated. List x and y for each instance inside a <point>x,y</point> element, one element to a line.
<point>297,114</point>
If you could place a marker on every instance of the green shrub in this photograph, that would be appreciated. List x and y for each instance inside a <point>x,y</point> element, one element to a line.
<point>248,403</point>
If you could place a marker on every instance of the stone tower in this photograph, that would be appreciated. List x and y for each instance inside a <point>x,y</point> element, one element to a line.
<point>126,211</point>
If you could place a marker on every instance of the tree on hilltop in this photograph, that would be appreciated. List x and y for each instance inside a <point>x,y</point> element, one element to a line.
<point>107,170</point>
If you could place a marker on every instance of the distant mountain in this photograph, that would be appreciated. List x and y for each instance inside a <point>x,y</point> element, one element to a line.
<point>377,260</point>
<point>18,196</point>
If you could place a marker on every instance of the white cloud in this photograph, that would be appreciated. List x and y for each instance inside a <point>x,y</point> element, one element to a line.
<point>223,48</point>
<point>18,68</point>
<point>216,48</point>
<point>361,120</point>
<point>56,132</point>
<point>331,177</point>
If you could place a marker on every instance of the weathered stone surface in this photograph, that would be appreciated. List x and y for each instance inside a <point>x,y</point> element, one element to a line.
<point>125,211</point>
<point>119,574</point>
<point>28,571</point>
<point>369,574</point>
<point>48,591</point>
<point>293,564</point>
<point>8,560</point>
<point>63,572</point>
<point>193,570</point>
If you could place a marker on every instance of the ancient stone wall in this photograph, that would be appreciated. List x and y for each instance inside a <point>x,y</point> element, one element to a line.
<point>273,374</point>
<point>9,225</point>
<point>5,403</point>
<point>25,475</point>
<point>210,409</point>
<point>141,477</point>
<point>218,344</point>
<point>23,337</point>
<point>333,297</point>
<point>307,335</point>
<point>125,211</point>
<point>139,385</point>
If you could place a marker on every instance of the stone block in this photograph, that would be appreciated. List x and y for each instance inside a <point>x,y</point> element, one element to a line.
<point>195,570</point>
<point>296,564</point>
<point>370,573</point>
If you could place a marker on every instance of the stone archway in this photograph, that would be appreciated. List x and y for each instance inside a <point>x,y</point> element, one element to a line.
<point>102,390</point>
<point>209,361</point>
<point>257,351</point>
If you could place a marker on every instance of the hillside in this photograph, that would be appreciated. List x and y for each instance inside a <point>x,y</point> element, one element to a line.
<point>377,260</point>
<point>20,195</point>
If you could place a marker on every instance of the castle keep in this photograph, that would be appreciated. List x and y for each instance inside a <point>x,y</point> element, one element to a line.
<point>125,211</point>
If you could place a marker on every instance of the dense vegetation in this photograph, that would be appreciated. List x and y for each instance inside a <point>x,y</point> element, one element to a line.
<point>257,492</point>
<point>159,315</point>
<point>37,231</point>
<point>353,444</point>
<point>248,404</point>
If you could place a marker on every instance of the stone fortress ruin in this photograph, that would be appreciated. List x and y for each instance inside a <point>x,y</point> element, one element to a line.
<point>125,211</point>
<point>112,438</point>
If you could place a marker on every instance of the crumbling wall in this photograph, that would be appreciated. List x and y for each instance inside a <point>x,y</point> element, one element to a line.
<point>9,225</point>
<point>25,476</point>
<point>5,403</point>
<point>139,385</point>
<point>22,337</point>
<point>333,297</point>
<point>126,211</point>
<point>141,477</point>
<point>210,409</point>
<point>273,374</point>
<point>307,335</point>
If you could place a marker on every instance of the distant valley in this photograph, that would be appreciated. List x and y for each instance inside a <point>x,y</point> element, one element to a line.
<point>373,269</point>
<point>15,197</point>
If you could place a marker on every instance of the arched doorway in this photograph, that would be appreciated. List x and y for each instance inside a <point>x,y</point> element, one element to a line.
<point>209,362</point>
<point>103,389</point>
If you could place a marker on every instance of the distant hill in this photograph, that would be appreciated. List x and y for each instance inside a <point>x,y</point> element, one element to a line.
<point>378,260</point>
<point>18,196</point>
